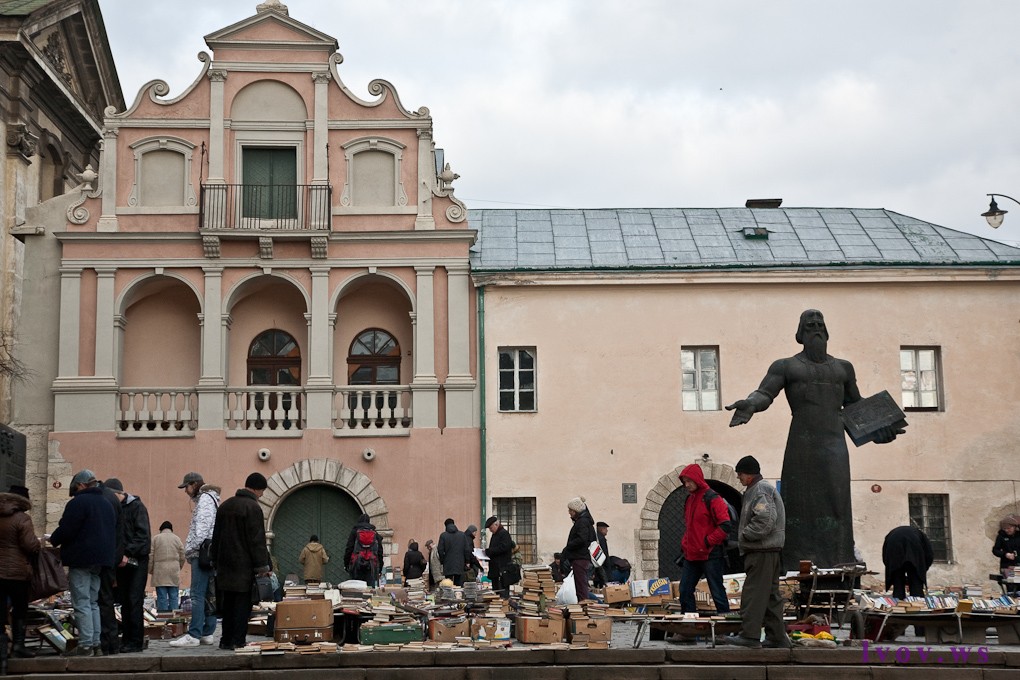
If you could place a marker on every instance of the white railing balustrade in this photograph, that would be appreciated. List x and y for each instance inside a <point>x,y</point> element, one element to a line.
<point>372,409</point>
<point>260,408</point>
<point>157,412</point>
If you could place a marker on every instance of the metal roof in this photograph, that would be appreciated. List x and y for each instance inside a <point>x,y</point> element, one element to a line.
<point>21,8</point>
<point>688,238</point>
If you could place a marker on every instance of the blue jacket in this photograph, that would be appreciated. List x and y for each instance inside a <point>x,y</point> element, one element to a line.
<point>87,533</point>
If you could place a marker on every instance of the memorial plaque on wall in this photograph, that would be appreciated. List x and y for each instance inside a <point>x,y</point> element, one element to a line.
<point>12,457</point>
<point>629,492</point>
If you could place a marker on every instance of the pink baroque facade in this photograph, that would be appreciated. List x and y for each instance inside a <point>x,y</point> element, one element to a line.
<point>268,274</point>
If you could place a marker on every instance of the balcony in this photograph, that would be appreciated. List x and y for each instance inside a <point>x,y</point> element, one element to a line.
<point>157,412</point>
<point>246,208</point>
<point>263,411</point>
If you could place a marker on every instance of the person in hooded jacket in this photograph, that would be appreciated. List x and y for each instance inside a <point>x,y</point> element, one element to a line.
<point>414,562</point>
<point>18,543</point>
<point>575,553</point>
<point>368,576</point>
<point>704,541</point>
<point>133,568</point>
<point>1007,546</point>
<point>314,558</point>
<point>454,550</point>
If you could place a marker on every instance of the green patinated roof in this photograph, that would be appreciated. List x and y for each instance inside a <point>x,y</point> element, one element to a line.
<point>690,238</point>
<point>21,8</point>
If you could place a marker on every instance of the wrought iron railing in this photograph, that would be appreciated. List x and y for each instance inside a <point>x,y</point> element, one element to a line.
<point>293,207</point>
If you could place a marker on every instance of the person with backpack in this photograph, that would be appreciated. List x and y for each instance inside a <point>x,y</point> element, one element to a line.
<point>707,526</point>
<point>363,555</point>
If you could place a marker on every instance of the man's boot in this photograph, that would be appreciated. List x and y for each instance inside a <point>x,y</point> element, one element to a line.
<point>19,650</point>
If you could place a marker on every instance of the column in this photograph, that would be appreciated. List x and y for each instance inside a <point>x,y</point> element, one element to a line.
<point>108,171</point>
<point>320,136</point>
<point>216,79</point>
<point>319,382</point>
<point>425,388</point>
<point>426,180</point>
<point>460,384</point>
<point>70,322</point>
<point>211,383</point>
<point>105,330</point>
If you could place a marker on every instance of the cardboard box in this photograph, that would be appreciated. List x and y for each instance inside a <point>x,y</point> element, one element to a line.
<point>655,586</point>
<point>493,629</point>
<point>541,631</point>
<point>304,614</point>
<point>595,630</point>
<point>652,599</point>
<point>614,594</point>
<point>448,630</point>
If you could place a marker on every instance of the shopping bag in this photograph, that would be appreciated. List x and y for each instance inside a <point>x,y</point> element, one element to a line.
<point>48,577</point>
<point>510,574</point>
<point>567,594</point>
<point>598,556</point>
<point>262,589</point>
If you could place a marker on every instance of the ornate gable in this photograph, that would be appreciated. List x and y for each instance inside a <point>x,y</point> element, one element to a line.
<point>271,28</point>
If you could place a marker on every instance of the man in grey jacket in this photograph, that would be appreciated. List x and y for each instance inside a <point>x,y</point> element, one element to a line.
<point>762,534</point>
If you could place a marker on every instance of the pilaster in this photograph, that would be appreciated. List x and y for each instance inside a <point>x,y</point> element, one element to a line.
<point>108,170</point>
<point>105,330</point>
<point>216,122</point>
<point>426,180</point>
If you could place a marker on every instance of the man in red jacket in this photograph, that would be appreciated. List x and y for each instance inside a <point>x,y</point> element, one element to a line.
<point>703,544</point>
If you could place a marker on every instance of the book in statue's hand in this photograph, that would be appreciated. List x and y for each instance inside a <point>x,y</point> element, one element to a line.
<point>864,419</point>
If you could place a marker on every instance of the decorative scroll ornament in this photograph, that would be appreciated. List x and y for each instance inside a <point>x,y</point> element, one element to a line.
<point>274,5</point>
<point>76,214</point>
<point>444,189</point>
<point>21,141</point>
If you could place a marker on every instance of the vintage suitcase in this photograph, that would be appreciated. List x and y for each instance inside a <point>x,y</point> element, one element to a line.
<point>301,636</point>
<point>302,621</point>
<point>389,634</point>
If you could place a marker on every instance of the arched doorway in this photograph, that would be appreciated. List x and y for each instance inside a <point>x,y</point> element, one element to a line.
<point>672,526</point>
<point>320,509</point>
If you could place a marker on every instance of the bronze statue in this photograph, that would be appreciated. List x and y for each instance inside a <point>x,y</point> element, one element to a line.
<point>816,466</point>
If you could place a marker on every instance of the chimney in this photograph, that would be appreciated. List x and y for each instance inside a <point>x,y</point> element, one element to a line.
<point>763,203</point>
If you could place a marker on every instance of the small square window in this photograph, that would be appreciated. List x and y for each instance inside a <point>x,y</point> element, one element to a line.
<point>516,381</point>
<point>920,378</point>
<point>700,370</point>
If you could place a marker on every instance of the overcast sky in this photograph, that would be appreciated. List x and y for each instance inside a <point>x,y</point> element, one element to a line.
<point>906,105</point>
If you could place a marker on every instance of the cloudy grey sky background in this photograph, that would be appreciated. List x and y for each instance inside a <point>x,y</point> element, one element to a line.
<point>909,105</point>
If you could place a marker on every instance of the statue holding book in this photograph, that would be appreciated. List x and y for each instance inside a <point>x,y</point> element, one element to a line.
<point>816,467</point>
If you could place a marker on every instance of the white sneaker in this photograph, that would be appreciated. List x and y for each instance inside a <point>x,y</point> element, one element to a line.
<point>185,641</point>
<point>206,639</point>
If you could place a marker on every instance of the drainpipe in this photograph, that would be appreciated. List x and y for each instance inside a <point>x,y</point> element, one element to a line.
<point>481,388</point>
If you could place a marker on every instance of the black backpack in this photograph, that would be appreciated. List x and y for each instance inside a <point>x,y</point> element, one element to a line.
<point>730,549</point>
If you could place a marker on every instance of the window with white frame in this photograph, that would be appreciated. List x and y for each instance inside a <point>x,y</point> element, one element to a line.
<point>517,379</point>
<point>920,378</point>
<point>929,512</point>
<point>700,369</point>
<point>518,516</point>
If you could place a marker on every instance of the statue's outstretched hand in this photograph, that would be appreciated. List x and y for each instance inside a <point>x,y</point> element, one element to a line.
<point>742,412</point>
<point>886,434</point>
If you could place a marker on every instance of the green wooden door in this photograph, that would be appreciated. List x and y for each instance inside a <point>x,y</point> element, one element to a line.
<point>318,509</point>
<point>270,183</point>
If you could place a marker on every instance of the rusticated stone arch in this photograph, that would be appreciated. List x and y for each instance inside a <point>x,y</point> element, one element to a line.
<point>333,473</point>
<point>648,535</point>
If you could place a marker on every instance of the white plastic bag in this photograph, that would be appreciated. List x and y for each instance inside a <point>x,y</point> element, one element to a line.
<point>567,594</point>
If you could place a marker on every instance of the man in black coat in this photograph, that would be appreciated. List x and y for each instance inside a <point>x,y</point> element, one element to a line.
<point>109,639</point>
<point>239,554</point>
<point>454,552</point>
<point>907,554</point>
<point>135,540</point>
<point>500,553</point>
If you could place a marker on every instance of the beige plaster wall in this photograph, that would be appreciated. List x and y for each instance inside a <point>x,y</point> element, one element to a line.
<point>609,385</point>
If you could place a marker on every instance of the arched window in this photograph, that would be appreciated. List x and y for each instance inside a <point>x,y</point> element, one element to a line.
<point>274,358</point>
<point>374,359</point>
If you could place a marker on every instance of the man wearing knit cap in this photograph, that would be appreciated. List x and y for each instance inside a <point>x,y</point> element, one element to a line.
<point>239,553</point>
<point>761,536</point>
<point>134,541</point>
<point>575,553</point>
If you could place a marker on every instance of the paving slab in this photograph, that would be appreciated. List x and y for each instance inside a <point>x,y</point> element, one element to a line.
<point>814,672</point>
<point>926,673</point>
<point>603,672</point>
<point>727,672</point>
<point>447,673</point>
<point>727,654</point>
<point>629,657</point>
<point>807,655</point>
<point>517,672</point>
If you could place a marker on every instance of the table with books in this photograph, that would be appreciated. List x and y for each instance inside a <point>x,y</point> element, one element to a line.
<point>944,618</point>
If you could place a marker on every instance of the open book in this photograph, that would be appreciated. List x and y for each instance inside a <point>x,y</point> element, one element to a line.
<point>862,420</point>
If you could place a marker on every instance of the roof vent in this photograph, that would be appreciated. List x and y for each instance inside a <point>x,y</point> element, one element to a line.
<point>760,233</point>
<point>763,203</point>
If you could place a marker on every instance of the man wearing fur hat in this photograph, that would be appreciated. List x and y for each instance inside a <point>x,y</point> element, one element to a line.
<point>761,536</point>
<point>575,553</point>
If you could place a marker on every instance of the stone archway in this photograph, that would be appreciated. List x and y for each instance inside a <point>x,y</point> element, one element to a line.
<point>333,473</point>
<point>648,535</point>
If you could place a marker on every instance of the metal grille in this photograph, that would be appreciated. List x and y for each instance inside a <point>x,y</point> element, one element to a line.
<point>929,512</point>
<point>518,516</point>
<point>671,532</point>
